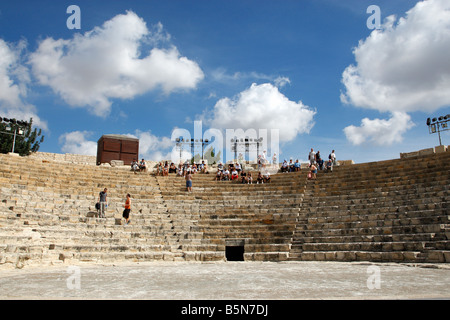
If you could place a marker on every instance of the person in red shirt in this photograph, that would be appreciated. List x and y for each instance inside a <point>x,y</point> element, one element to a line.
<point>126,211</point>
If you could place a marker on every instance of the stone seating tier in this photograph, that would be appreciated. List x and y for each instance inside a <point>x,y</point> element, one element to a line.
<point>395,210</point>
<point>387,211</point>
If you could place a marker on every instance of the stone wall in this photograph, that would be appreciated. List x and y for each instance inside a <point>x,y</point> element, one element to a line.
<point>70,158</point>
<point>423,152</point>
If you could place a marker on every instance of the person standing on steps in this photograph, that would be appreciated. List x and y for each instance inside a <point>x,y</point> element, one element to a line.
<point>313,172</point>
<point>332,157</point>
<point>189,181</point>
<point>126,211</point>
<point>103,200</point>
<point>312,157</point>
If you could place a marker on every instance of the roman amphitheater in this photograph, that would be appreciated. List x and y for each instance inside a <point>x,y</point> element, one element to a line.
<point>380,213</point>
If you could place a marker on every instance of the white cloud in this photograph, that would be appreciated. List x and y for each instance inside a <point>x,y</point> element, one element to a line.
<point>262,107</point>
<point>379,131</point>
<point>76,143</point>
<point>221,75</point>
<point>405,66</point>
<point>153,148</point>
<point>282,81</point>
<point>14,81</point>
<point>92,69</point>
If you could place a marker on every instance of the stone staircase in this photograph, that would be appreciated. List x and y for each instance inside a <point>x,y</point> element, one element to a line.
<point>259,217</point>
<point>394,210</point>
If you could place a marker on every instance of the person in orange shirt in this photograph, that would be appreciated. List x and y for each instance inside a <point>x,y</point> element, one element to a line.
<point>126,211</point>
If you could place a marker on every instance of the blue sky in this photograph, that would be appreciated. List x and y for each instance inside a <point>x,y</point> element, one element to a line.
<point>311,69</point>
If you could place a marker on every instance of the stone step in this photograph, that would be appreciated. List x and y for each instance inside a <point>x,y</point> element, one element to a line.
<point>346,256</point>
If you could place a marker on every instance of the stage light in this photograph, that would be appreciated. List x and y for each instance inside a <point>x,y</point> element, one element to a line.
<point>433,128</point>
<point>428,121</point>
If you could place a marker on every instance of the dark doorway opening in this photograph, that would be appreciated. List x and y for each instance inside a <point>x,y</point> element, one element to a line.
<point>234,253</point>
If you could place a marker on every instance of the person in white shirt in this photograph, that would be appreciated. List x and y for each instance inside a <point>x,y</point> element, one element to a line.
<point>142,166</point>
<point>266,177</point>
<point>284,166</point>
<point>234,174</point>
<point>332,157</point>
<point>264,159</point>
<point>312,157</point>
<point>226,174</point>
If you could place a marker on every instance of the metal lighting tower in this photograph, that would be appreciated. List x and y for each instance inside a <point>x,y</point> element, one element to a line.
<point>245,144</point>
<point>438,125</point>
<point>17,125</point>
<point>192,143</point>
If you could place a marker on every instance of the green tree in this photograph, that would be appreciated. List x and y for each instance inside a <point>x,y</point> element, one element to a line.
<point>28,140</point>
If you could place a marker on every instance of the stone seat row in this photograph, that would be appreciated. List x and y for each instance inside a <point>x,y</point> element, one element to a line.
<point>314,224</point>
<point>397,166</point>
<point>378,206</point>
<point>329,186</point>
<point>76,187</point>
<point>347,183</point>
<point>364,216</point>
<point>376,246</point>
<point>347,256</point>
<point>337,234</point>
<point>361,180</point>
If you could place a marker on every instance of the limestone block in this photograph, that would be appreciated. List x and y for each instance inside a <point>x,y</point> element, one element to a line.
<point>435,256</point>
<point>409,154</point>
<point>440,149</point>
<point>362,256</point>
<point>319,256</point>
<point>117,163</point>
<point>428,151</point>
<point>410,256</point>
<point>307,256</point>
<point>446,255</point>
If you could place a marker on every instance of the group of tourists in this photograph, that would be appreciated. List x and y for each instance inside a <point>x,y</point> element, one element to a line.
<point>182,169</point>
<point>317,163</point>
<point>235,172</point>
<point>138,166</point>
